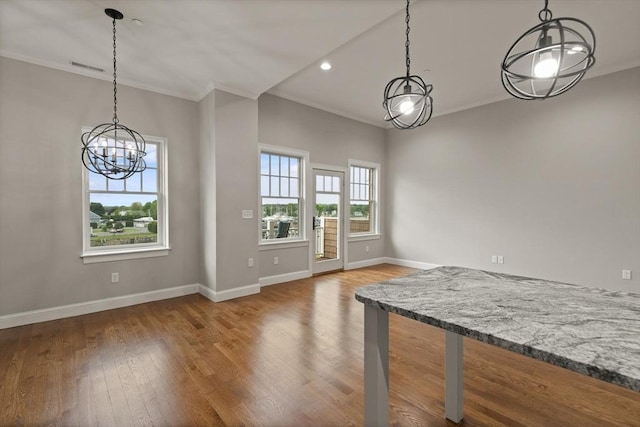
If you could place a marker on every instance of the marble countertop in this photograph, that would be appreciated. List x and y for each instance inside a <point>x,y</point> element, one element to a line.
<point>592,331</point>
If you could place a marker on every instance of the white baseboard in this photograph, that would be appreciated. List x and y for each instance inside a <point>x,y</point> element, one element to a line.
<point>287,277</point>
<point>53,313</point>
<point>365,263</point>
<point>412,264</point>
<point>61,312</point>
<point>219,296</point>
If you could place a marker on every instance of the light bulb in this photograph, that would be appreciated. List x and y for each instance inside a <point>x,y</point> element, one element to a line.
<point>575,50</point>
<point>406,107</point>
<point>547,65</point>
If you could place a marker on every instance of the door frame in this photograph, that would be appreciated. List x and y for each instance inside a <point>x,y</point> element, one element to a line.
<point>343,223</point>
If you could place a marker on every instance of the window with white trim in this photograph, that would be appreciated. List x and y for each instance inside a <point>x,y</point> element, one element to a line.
<point>129,215</point>
<point>281,184</point>
<point>363,198</point>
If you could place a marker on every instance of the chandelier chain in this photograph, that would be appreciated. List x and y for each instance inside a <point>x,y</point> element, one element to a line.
<point>545,14</point>
<point>115,88</point>
<point>406,44</point>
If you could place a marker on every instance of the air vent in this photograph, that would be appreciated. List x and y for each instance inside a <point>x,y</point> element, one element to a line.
<point>88,67</point>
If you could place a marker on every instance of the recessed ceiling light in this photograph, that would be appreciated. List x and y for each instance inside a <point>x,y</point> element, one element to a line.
<point>325,66</point>
<point>137,21</point>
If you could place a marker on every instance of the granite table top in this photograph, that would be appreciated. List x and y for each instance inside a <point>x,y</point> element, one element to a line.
<point>592,331</point>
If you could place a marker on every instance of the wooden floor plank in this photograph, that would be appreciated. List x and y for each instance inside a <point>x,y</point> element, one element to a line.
<point>289,356</point>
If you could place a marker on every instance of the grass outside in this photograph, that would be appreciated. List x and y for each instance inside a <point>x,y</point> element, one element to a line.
<point>99,238</point>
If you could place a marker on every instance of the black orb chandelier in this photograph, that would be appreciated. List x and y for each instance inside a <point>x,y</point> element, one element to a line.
<point>407,99</point>
<point>550,58</point>
<point>112,149</point>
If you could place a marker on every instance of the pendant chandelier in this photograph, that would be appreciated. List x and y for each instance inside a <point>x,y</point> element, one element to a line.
<point>550,58</point>
<point>112,149</point>
<point>407,99</point>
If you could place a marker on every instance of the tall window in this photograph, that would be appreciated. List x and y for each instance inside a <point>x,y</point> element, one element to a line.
<point>129,215</point>
<point>363,206</point>
<point>280,193</point>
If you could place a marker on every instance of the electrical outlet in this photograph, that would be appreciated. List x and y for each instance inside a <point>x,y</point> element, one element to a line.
<point>500,259</point>
<point>626,274</point>
<point>247,214</point>
<point>366,248</point>
<point>115,277</point>
<point>275,260</point>
<point>494,259</point>
<point>250,262</point>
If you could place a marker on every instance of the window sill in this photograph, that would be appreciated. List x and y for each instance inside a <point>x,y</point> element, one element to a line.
<point>107,256</point>
<point>272,245</point>
<point>363,237</point>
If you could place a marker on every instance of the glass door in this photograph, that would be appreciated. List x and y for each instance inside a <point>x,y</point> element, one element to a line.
<point>327,220</point>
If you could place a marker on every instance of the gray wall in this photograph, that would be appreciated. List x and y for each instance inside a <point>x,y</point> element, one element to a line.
<point>330,140</point>
<point>236,157</point>
<point>208,217</point>
<point>41,113</point>
<point>213,155</point>
<point>552,186</point>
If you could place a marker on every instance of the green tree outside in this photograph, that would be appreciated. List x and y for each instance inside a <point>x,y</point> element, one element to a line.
<point>151,209</point>
<point>97,208</point>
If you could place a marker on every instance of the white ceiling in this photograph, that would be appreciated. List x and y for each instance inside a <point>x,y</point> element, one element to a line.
<point>249,47</point>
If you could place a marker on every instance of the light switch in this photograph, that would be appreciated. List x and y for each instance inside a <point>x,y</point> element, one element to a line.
<point>247,214</point>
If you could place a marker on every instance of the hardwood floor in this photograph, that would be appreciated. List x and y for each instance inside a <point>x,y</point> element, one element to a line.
<point>289,356</point>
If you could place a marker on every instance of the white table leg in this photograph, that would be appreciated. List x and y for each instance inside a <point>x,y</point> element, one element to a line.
<point>453,383</point>
<point>376,367</point>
